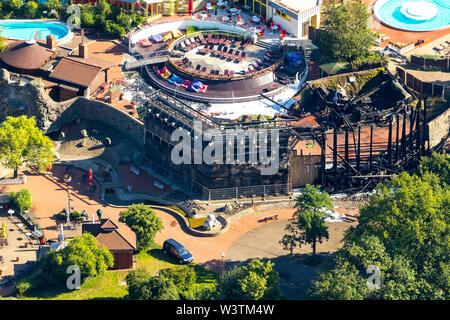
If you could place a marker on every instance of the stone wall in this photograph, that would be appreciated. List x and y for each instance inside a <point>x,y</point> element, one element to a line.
<point>439,128</point>
<point>30,99</point>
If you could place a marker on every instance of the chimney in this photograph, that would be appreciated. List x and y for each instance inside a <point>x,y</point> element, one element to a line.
<point>83,50</point>
<point>51,42</point>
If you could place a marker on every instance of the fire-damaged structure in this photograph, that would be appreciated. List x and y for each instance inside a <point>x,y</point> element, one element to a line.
<point>346,141</point>
<point>371,135</point>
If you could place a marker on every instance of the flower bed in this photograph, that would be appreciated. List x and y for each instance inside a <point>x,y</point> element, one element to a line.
<point>401,48</point>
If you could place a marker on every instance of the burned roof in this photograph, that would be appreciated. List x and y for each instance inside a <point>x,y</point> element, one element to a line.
<point>26,55</point>
<point>111,235</point>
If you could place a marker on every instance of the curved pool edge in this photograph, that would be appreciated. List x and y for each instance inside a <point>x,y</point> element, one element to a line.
<point>375,13</point>
<point>67,38</point>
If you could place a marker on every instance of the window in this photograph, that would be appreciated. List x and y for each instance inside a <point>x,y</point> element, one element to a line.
<point>283,15</point>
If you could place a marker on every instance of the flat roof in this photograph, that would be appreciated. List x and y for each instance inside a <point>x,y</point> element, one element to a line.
<point>297,5</point>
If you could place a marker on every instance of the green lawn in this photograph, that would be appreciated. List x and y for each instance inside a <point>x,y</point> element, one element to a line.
<point>110,285</point>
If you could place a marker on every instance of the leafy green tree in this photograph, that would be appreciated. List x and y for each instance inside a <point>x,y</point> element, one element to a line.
<point>438,164</point>
<point>84,252</point>
<point>88,18</point>
<point>142,286</point>
<point>21,142</point>
<point>21,199</point>
<point>30,9</point>
<point>404,231</point>
<point>142,220</point>
<point>308,224</point>
<point>182,276</point>
<point>15,4</point>
<point>255,281</point>
<point>345,35</point>
<point>53,4</point>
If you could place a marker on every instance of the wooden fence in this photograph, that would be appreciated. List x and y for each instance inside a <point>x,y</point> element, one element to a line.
<point>429,89</point>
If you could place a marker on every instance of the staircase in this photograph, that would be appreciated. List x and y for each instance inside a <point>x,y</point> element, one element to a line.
<point>156,57</point>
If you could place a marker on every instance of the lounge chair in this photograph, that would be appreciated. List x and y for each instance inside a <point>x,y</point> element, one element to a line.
<point>242,57</point>
<point>228,41</point>
<point>145,43</point>
<point>203,70</point>
<point>231,74</point>
<point>222,39</point>
<point>198,67</point>
<point>210,38</point>
<point>183,47</point>
<point>237,43</point>
<point>229,55</point>
<point>226,73</point>
<point>215,39</point>
<point>217,72</point>
<point>202,39</point>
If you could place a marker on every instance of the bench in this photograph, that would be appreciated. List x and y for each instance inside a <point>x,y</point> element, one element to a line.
<point>272,217</point>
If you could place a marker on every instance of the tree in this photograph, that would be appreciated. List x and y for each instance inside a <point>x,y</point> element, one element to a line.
<point>15,4</point>
<point>142,220</point>
<point>53,4</point>
<point>345,32</point>
<point>438,164</point>
<point>30,9</point>
<point>21,142</point>
<point>84,252</point>
<point>182,276</point>
<point>142,286</point>
<point>255,281</point>
<point>21,199</point>
<point>404,230</point>
<point>308,223</point>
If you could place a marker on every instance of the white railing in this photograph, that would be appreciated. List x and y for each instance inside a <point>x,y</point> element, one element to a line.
<point>309,12</point>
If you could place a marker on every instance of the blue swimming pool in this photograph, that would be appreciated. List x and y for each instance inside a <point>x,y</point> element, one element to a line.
<point>414,15</point>
<point>27,30</point>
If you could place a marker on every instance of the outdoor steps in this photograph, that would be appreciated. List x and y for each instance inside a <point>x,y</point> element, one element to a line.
<point>263,44</point>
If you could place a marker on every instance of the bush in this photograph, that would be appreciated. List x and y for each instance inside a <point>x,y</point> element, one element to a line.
<point>22,287</point>
<point>370,62</point>
<point>183,277</point>
<point>114,29</point>
<point>21,200</point>
<point>191,29</point>
<point>30,9</point>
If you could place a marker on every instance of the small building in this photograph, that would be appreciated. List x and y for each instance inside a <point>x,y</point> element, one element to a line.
<point>295,16</point>
<point>120,240</point>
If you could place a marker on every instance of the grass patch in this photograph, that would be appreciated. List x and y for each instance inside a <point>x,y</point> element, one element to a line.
<point>108,287</point>
<point>104,287</point>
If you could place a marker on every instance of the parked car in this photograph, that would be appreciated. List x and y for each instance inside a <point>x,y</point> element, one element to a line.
<point>176,250</point>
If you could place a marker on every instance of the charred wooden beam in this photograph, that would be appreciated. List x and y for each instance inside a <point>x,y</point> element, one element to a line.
<point>389,151</point>
<point>370,152</point>
<point>358,155</point>
<point>335,149</point>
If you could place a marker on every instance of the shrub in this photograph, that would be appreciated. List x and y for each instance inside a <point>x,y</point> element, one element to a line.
<point>114,29</point>
<point>183,277</point>
<point>30,9</point>
<point>191,29</point>
<point>21,199</point>
<point>15,4</point>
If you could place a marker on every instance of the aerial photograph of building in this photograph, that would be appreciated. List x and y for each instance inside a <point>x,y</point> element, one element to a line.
<point>191,150</point>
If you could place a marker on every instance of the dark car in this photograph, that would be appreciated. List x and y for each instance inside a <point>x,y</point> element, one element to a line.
<point>176,250</point>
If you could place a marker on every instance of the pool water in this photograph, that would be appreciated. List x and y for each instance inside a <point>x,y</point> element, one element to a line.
<point>27,30</point>
<point>414,15</point>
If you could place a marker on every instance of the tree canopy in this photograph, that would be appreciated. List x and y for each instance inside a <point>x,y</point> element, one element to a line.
<point>142,220</point>
<point>345,32</point>
<point>308,226</point>
<point>21,199</point>
<point>403,231</point>
<point>21,142</point>
<point>83,252</point>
